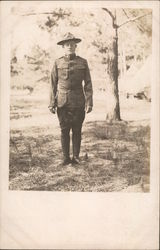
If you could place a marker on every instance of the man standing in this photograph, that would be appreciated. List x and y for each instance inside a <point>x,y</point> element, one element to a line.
<point>70,97</point>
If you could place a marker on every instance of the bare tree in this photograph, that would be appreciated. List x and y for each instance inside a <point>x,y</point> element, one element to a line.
<point>113,109</point>
<point>113,106</point>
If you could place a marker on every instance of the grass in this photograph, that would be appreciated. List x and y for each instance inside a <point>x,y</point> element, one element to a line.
<point>116,160</point>
<point>114,156</point>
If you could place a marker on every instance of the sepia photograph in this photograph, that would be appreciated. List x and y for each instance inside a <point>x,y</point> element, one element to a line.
<point>80,98</point>
<point>79,125</point>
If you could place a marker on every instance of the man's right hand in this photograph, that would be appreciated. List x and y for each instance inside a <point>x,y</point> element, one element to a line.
<point>52,110</point>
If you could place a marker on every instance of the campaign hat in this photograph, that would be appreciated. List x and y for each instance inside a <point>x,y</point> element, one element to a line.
<point>68,37</point>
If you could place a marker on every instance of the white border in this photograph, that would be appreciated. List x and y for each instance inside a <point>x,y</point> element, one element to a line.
<point>54,220</point>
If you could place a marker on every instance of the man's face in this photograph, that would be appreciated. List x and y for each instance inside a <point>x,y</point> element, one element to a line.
<point>69,47</point>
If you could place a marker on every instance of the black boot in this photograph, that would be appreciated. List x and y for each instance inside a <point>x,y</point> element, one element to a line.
<point>75,160</point>
<point>65,142</point>
<point>66,161</point>
<point>76,143</point>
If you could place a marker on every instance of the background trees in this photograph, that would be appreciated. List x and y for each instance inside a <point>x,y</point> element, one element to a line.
<point>37,31</point>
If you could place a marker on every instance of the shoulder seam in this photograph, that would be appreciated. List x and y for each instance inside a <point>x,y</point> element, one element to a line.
<point>82,58</point>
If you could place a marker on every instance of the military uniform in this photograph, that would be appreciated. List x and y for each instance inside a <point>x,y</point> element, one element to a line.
<point>70,96</point>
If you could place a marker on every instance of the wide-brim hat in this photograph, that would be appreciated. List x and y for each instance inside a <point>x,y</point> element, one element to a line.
<point>69,37</point>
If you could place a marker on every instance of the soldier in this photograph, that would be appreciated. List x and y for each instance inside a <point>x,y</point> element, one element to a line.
<point>69,97</point>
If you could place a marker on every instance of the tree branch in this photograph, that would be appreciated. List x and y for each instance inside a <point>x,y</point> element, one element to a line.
<point>41,13</point>
<point>134,19</point>
<point>109,12</point>
<point>112,16</point>
<point>139,26</point>
<point>125,13</point>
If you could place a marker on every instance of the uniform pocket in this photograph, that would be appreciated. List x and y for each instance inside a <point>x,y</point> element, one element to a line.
<point>63,73</point>
<point>81,66</point>
<point>80,71</point>
<point>61,99</point>
<point>76,99</point>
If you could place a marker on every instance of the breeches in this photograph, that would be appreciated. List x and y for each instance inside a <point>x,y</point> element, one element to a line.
<point>71,119</point>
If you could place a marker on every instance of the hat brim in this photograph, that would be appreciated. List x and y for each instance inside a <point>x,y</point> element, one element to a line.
<point>77,40</point>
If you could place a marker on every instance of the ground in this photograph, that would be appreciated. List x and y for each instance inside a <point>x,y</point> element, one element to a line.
<point>114,157</point>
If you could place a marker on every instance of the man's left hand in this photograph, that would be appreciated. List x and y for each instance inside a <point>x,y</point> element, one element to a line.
<point>88,109</point>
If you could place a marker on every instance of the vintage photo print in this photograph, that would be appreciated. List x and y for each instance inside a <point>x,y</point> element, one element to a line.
<point>79,121</point>
<point>106,149</point>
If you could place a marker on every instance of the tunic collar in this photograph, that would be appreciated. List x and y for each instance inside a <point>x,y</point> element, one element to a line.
<point>70,57</point>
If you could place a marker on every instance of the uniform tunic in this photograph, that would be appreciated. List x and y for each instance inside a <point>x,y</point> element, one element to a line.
<point>67,88</point>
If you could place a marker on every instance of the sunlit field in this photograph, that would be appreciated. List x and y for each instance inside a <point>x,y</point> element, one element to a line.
<point>114,157</point>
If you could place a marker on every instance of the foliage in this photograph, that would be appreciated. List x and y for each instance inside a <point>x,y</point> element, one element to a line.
<point>52,19</point>
<point>47,28</point>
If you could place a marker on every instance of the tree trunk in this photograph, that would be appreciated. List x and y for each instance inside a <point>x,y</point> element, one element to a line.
<point>124,60</point>
<point>113,109</point>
